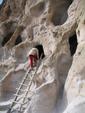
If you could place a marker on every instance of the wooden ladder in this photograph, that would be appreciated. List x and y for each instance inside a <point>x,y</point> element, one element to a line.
<point>27,86</point>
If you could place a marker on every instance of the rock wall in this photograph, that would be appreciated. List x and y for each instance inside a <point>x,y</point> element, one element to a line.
<point>59,26</point>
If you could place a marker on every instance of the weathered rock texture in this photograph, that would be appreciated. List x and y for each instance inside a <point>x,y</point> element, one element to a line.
<point>59,25</point>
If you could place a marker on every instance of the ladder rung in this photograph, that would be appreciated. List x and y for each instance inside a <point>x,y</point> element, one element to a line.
<point>24,85</point>
<point>15,110</point>
<point>18,95</point>
<point>21,89</point>
<point>27,100</point>
<point>27,79</point>
<point>17,102</point>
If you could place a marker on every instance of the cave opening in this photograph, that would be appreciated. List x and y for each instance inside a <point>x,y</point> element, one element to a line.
<point>18,40</point>
<point>60,13</point>
<point>7,38</point>
<point>73,44</point>
<point>41,50</point>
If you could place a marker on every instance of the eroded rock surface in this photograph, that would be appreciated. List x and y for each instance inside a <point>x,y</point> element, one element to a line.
<point>59,26</point>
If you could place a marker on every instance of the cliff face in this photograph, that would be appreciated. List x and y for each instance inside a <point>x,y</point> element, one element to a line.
<point>58,25</point>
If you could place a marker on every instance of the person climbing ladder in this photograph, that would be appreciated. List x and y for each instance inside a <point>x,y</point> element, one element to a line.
<point>35,54</point>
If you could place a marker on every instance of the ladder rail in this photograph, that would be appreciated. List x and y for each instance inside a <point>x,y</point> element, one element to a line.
<point>9,111</point>
<point>38,64</point>
<point>28,88</point>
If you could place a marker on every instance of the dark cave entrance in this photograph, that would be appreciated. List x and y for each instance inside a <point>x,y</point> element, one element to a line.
<point>73,44</point>
<point>7,38</point>
<point>41,50</point>
<point>18,40</point>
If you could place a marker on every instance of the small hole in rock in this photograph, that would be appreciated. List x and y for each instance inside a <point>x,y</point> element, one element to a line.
<point>60,13</point>
<point>7,38</point>
<point>73,44</point>
<point>18,40</point>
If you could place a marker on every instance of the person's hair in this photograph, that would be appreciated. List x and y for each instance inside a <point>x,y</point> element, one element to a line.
<point>41,50</point>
